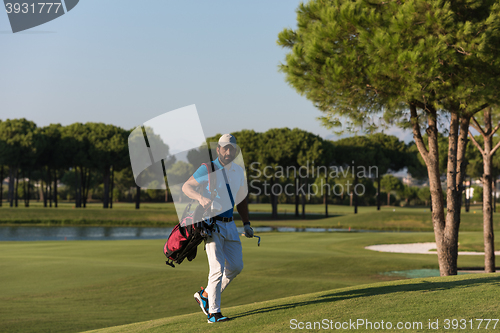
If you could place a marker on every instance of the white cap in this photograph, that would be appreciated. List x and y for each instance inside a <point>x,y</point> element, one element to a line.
<point>227,139</point>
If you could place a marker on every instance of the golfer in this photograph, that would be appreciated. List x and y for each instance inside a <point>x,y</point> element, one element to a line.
<point>223,247</point>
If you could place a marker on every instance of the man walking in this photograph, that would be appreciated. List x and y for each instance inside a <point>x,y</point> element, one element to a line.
<point>223,247</point>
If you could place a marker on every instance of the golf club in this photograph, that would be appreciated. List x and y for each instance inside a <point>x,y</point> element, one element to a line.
<point>258,242</point>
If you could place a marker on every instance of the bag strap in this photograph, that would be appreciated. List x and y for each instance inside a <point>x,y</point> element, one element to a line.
<point>227,186</point>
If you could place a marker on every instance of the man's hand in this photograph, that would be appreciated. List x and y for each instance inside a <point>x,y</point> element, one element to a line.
<point>205,202</point>
<point>248,231</point>
<point>189,189</point>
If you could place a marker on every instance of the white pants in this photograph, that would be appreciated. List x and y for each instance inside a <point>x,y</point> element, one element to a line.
<point>225,259</point>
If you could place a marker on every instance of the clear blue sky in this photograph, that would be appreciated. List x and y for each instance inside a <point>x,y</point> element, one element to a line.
<point>125,62</point>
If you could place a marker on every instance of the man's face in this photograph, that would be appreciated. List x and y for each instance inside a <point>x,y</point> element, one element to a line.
<point>226,154</point>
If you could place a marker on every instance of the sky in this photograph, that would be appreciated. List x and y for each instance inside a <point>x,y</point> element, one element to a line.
<point>125,62</point>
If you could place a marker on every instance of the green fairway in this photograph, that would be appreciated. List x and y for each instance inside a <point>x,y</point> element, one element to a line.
<point>70,286</point>
<point>458,303</point>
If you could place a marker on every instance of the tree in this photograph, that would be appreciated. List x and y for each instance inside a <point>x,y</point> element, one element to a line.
<point>416,164</point>
<point>390,154</point>
<point>324,185</point>
<point>55,156</point>
<point>356,154</point>
<point>487,151</point>
<point>2,164</point>
<point>124,182</point>
<point>408,193</point>
<point>77,136</point>
<point>390,183</point>
<point>278,154</point>
<point>18,147</point>
<point>424,193</point>
<point>108,152</point>
<point>291,151</point>
<point>377,153</point>
<point>412,61</point>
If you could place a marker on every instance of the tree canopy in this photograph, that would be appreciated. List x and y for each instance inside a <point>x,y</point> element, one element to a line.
<point>409,63</point>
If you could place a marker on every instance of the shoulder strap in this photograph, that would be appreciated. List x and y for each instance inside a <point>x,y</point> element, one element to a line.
<point>228,187</point>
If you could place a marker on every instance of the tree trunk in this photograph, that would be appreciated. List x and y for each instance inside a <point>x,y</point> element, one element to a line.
<point>487,178</point>
<point>24,191</point>
<point>355,195</point>
<point>304,202</point>
<point>113,186</point>
<point>297,186</point>
<point>88,172</point>
<point>445,230</point>
<point>325,201</point>
<point>105,199</point>
<point>10,189</point>
<point>85,178</point>
<point>378,191</point>
<point>17,187</point>
<point>78,198</point>
<point>49,183</point>
<point>447,234</point>
<point>83,182</point>
<point>11,186</point>
<point>1,185</point>
<point>467,193</point>
<point>138,197</point>
<point>388,198</point>
<point>44,191</point>
<point>495,195</point>
<point>55,188</point>
<point>274,206</point>
<point>489,246</point>
<point>41,192</point>
<point>29,187</point>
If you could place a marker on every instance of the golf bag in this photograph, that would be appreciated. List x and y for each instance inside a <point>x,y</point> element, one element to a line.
<point>193,229</point>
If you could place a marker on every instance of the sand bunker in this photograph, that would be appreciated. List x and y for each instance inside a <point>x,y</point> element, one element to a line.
<point>421,248</point>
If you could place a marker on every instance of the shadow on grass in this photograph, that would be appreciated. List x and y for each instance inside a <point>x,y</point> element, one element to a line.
<point>421,285</point>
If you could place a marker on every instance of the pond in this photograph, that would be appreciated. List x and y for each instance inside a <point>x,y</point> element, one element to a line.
<point>47,233</point>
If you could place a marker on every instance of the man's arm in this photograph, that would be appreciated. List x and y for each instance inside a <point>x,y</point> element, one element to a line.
<point>189,189</point>
<point>243,211</point>
<point>242,208</point>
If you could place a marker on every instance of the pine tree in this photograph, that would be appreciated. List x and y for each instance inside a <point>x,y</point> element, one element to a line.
<point>410,62</point>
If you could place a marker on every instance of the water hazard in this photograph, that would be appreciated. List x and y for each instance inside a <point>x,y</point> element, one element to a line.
<point>50,233</point>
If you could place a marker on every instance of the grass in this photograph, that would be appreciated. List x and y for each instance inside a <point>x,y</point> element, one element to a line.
<point>122,214</point>
<point>420,305</point>
<point>70,286</point>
